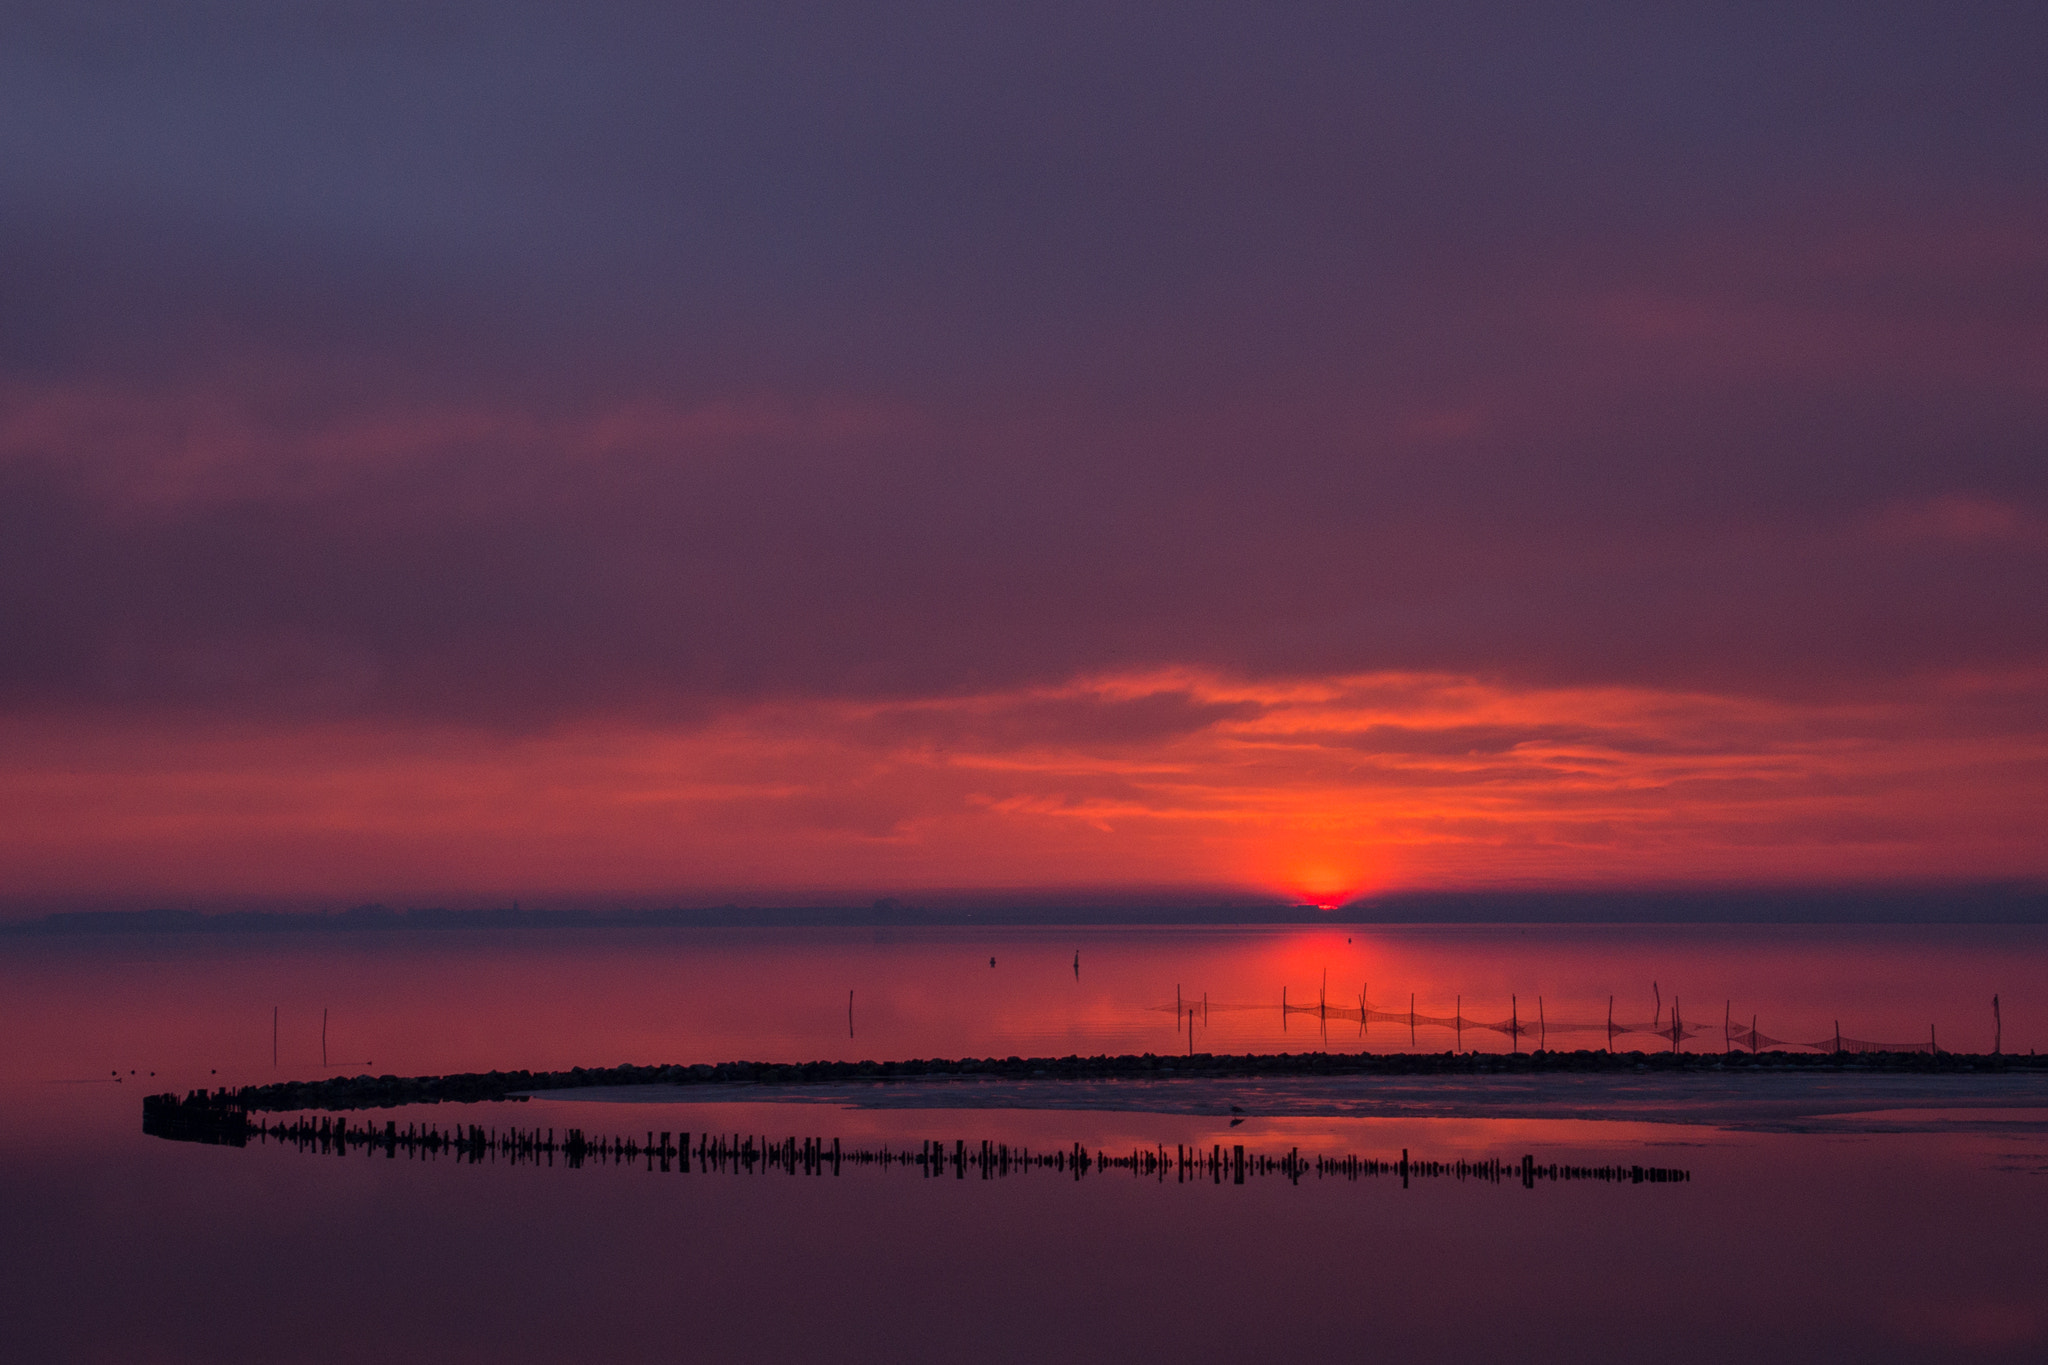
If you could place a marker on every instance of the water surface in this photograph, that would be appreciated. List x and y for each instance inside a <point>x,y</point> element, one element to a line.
<point>1889,1218</point>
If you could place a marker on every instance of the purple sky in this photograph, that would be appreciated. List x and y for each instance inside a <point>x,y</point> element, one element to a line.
<point>522,373</point>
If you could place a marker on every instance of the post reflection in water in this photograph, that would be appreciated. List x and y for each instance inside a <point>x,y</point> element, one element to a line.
<point>1814,1228</point>
<point>248,1007</point>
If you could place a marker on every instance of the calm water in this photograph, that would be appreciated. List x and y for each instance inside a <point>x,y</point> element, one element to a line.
<point>1893,1224</point>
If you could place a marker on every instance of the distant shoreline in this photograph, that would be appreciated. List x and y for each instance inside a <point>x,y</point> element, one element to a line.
<point>384,1092</point>
<point>1979,904</point>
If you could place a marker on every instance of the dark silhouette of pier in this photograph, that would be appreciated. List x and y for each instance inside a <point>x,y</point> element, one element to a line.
<point>373,1092</point>
<point>218,1118</point>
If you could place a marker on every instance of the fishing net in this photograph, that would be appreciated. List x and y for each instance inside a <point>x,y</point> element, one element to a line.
<point>1672,1028</point>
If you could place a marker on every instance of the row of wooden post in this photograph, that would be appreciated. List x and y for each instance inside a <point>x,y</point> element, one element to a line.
<point>1185,1014</point>
<point>745,1153</point>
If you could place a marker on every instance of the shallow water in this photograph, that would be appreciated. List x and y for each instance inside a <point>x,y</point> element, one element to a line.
<point>1885,1218</point>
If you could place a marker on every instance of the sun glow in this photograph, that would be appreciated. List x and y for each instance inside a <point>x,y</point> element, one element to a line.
<point>1322,790</point>
<point>1326,884</point>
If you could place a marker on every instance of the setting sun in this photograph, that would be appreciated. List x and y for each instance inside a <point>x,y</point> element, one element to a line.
<point>1325,885</point>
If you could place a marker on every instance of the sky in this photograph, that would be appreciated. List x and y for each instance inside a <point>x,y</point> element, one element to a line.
<point>807,452</point>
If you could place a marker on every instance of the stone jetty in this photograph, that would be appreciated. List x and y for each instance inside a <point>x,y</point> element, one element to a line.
<point>372,1092</point>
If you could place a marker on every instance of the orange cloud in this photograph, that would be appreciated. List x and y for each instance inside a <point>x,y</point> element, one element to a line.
<point>1319,788</point>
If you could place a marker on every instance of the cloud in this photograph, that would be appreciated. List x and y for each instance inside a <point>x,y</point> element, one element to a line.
<point>928,409</point>
<point>1957,519</point>
<point>1248,786</point>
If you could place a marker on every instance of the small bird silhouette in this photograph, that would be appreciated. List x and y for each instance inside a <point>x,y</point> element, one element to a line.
<point>991,962</point>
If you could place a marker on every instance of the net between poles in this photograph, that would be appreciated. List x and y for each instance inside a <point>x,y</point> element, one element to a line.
<point>1673,1029</point>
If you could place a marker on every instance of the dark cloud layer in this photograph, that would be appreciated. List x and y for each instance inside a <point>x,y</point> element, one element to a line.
<point>521,363</point>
